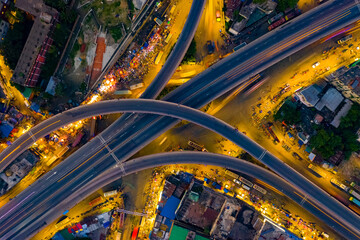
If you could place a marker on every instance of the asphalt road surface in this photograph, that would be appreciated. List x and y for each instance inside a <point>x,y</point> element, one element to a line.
<point>173,61</point>
<point>236,68</point>
<point>178,52</point>
<point>127,138</point>
<point>22,215</point>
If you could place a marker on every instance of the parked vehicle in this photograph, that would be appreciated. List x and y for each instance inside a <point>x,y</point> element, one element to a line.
<point>355,194</point>
<point>313,170</point>
<point>297,156</point>
<point>345,39</point>
<point>354,200</point>
<point>276,24</point>
<point>218,16</point>
<point>338,184</point>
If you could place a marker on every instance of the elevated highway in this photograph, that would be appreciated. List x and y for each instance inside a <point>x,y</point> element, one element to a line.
<point>22,214</point>
<point>129,134</point>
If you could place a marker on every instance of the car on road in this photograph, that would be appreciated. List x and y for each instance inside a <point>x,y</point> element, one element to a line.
<point>297,156</point>
<point>237,181</point>
<point>286,147</point>
<point>210,47</point>
<point>315,64</point>
<point>218,16</point>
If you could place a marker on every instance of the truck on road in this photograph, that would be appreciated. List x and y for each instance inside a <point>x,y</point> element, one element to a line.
<point>313,170</point>
<point>196,146</point>
<point>338,184</point>
<point>355,201</point>
<point>158,57</point>
<point>355,186</point>
<point>355,194</point>
<point>96,201</point>
<point>345,39</point>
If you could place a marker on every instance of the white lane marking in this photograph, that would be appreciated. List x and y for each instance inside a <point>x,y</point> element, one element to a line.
<point>262,155</point>
<point>32,135</point>
<point>303,200</point>
<point>79,185</point>
<point>51,175</point>
<point>118,162</point>
<point>16,205</point>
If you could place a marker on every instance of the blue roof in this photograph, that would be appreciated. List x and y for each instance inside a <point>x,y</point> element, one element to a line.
<point>170,207</point>
<point>186,177</point>
<point>168,222</point>
<point>34,106</point>
<point>106,224</point>
<point>5,129</point>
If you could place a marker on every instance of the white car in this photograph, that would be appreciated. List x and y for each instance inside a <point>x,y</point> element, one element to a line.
<point>315,64</point>
<point>237,181</point>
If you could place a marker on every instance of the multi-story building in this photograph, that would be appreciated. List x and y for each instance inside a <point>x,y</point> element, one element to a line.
<point>28,68</point>
<point>347,81</point>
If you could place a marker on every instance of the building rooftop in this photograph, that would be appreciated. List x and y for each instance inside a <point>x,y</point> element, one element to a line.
<point>272,231</point>
<point>309,96</point>
<point>32,57</point>
<point>342,113</point>
<point>331,99</point>
<point>34,7</point>
<point>170,207</point>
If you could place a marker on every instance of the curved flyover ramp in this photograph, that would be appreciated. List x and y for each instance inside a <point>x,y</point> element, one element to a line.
<point>325,202</point>
<point>156,160</point>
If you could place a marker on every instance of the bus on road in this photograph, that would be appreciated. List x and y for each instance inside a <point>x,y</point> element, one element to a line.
<point>354,200</point>
<point>276,24</point>
<point>355,194</point>
<point>276,17</point>
<point>168,37</point>
<point>158,57</point>
<point>345,39</point>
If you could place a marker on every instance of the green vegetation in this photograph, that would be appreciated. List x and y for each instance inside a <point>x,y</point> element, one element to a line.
<point>349,125</point>
<point>165,91</point>
<point>285,4</point>
<point>228,25</point>
<point>112,13</point>
<point>259,1</point>
<point>237,17</point>
<point>131,7</point>
<point>67,15</point>
<point>116,32</point>
<point>344,138</point>
<point>60,89</point>
<point>15,40</point>
<point>60,35</point>
<point>83,87</point>
<point>326,142</point>
<point>74,50</point>
<point>288,113</point>
<point>19,87</point>
<point>190,54</point>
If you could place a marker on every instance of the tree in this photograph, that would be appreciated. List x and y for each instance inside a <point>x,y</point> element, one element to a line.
<point>288,113</point>
<point>352,119</point>
<point>259,1</point>
<point>116,32</point>
<point>285,4</point>
<point>60,89</point>
<point>83,87</point>
<point>19,87</point>
<point>190,54</point>
<point>15,40</point>
<point>327,143</point>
